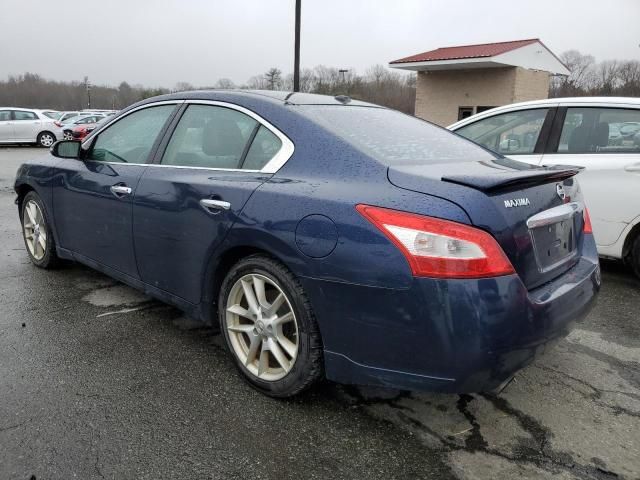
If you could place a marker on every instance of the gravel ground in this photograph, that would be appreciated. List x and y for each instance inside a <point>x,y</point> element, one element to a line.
<point>98,381</point>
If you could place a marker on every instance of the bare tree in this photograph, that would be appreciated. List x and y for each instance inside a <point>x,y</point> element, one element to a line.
<point>273,77</point>
<point>225,84</point>
<point>182,87</point>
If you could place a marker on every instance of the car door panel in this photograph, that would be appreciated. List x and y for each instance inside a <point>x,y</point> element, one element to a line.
<point>91,219</point>
<point>25,129</point>
<point>93,197</point>
<point>175,236</point>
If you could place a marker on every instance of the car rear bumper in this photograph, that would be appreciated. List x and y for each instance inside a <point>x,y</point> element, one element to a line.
<point>447,335</point>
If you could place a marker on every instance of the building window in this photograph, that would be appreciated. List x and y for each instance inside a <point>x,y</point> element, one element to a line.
<point>481,109</point>
<point>464,112</point>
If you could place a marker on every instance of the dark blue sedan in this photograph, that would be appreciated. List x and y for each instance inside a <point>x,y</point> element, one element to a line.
<point>326,237</point>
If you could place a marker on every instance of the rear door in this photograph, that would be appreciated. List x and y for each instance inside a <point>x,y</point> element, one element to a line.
<point>26,125</point>
<point>185,204</point>
<point>93,197</point>
<point>6,126</point>
<point>606,141</point>
<point>519,134</point>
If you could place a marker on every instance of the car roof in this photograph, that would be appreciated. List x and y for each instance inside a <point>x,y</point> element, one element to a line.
<point>632,102</point>
<point>276,96</point>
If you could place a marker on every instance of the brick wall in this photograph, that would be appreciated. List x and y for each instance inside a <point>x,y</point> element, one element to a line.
<point>439,94</point>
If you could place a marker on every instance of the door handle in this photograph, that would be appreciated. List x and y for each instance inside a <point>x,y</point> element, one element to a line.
<point>120,190</point>
<point>214,206</point>
<point>634,167</point>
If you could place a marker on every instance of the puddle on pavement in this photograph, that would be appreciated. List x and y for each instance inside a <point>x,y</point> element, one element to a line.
<point>115,296</point>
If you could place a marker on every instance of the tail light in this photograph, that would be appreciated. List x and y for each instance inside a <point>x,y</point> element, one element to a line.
<point>587,222</point>
<point>57,123</point>
<point>440,248</point>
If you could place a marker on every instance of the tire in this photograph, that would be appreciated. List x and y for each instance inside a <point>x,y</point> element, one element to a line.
<point>46,139</point>
<point>634,259</point>
<point>40,248</point>
<point>286,335</point>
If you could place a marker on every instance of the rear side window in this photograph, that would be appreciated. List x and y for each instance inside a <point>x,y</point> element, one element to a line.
<point>52,115</point>
<point>5,115</point>
<point>210,136</point>
<point>392,137</point>
<point>600,130</point>
<point>22,115</point>
<point>512,133</point>
<point>130,139</point>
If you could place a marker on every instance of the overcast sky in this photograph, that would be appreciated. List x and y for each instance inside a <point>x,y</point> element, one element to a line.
<point>161,42</point>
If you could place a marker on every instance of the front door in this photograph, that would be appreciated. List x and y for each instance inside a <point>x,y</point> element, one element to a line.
<point>93,197</point>
<point>186,203</point>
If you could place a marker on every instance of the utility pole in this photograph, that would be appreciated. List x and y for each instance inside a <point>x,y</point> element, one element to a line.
<point>343,73</point>
<point>87,86</point>
<point>296,54</point>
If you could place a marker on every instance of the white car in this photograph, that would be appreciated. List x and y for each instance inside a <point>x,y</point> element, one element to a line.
<point>599,134</point>
<point>26,125</point>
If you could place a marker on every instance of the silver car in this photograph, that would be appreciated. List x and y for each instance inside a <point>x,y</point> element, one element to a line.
<point>26,125</point>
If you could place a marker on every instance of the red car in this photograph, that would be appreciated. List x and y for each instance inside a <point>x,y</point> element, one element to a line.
<point>82,130</point>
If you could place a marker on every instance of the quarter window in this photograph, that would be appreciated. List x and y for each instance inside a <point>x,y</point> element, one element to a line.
<point>21,115</point>
<point>512,133</point>
<point>600,130</point>
<point>217,137</point>
<point>130,139</point>
<point>264,147</point>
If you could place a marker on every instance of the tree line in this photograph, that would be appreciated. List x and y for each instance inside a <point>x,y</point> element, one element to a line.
<point>590,78</point>
<point>378,85</point>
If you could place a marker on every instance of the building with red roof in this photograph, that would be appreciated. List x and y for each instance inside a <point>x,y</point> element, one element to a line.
<point>456,82</point>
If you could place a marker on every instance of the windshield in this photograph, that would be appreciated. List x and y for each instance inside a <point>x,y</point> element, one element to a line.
<point>392,137</point>
<point>75,119</point>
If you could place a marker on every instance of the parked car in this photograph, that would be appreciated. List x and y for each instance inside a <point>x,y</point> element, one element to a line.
<point>73,122</point>
<point>596,133</point>
<point>66,116</point>
<point>26,125</point>
<point>325,236</point>
<point>82,129</point>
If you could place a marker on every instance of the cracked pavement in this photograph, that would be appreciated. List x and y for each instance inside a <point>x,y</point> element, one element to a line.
<point>99,381</point>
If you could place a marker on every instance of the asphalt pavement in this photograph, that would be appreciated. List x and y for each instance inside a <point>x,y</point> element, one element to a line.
<point>98,381</point>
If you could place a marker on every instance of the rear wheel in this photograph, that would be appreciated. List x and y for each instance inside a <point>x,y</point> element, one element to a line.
<point>36,232</point>
<point>46,139</point>
<point>67,135</point>
<point>269,327</point>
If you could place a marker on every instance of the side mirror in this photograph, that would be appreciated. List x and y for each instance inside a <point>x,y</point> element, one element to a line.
<point>66,149</point>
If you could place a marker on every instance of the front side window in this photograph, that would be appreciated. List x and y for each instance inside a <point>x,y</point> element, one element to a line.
<point>600,130</point>
<point>130,139</point>
<point>211,137</point>
<point>22,115</point>
<point>509,133</point>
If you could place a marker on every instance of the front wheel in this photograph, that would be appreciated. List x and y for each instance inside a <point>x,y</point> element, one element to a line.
<point>269,327</point>
<point>36,232</point>
<point>634,261</point>
<point>46,139</point>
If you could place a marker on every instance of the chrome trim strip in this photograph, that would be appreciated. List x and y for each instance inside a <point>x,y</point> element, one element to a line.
<point>554,215</point>
<point>272,166</point>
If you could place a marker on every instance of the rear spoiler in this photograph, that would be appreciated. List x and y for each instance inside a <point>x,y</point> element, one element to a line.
<point>507,180</point>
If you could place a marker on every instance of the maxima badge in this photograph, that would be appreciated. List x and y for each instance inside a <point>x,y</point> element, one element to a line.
<point>516,202</point>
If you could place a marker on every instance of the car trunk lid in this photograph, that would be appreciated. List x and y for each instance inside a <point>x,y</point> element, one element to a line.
<point>533,212</point>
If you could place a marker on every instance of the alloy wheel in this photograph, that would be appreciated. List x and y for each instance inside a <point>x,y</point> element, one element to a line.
<point>67,136</point>
<point>35,230</point>
<point>262,327</point>
<point>46,140</point>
